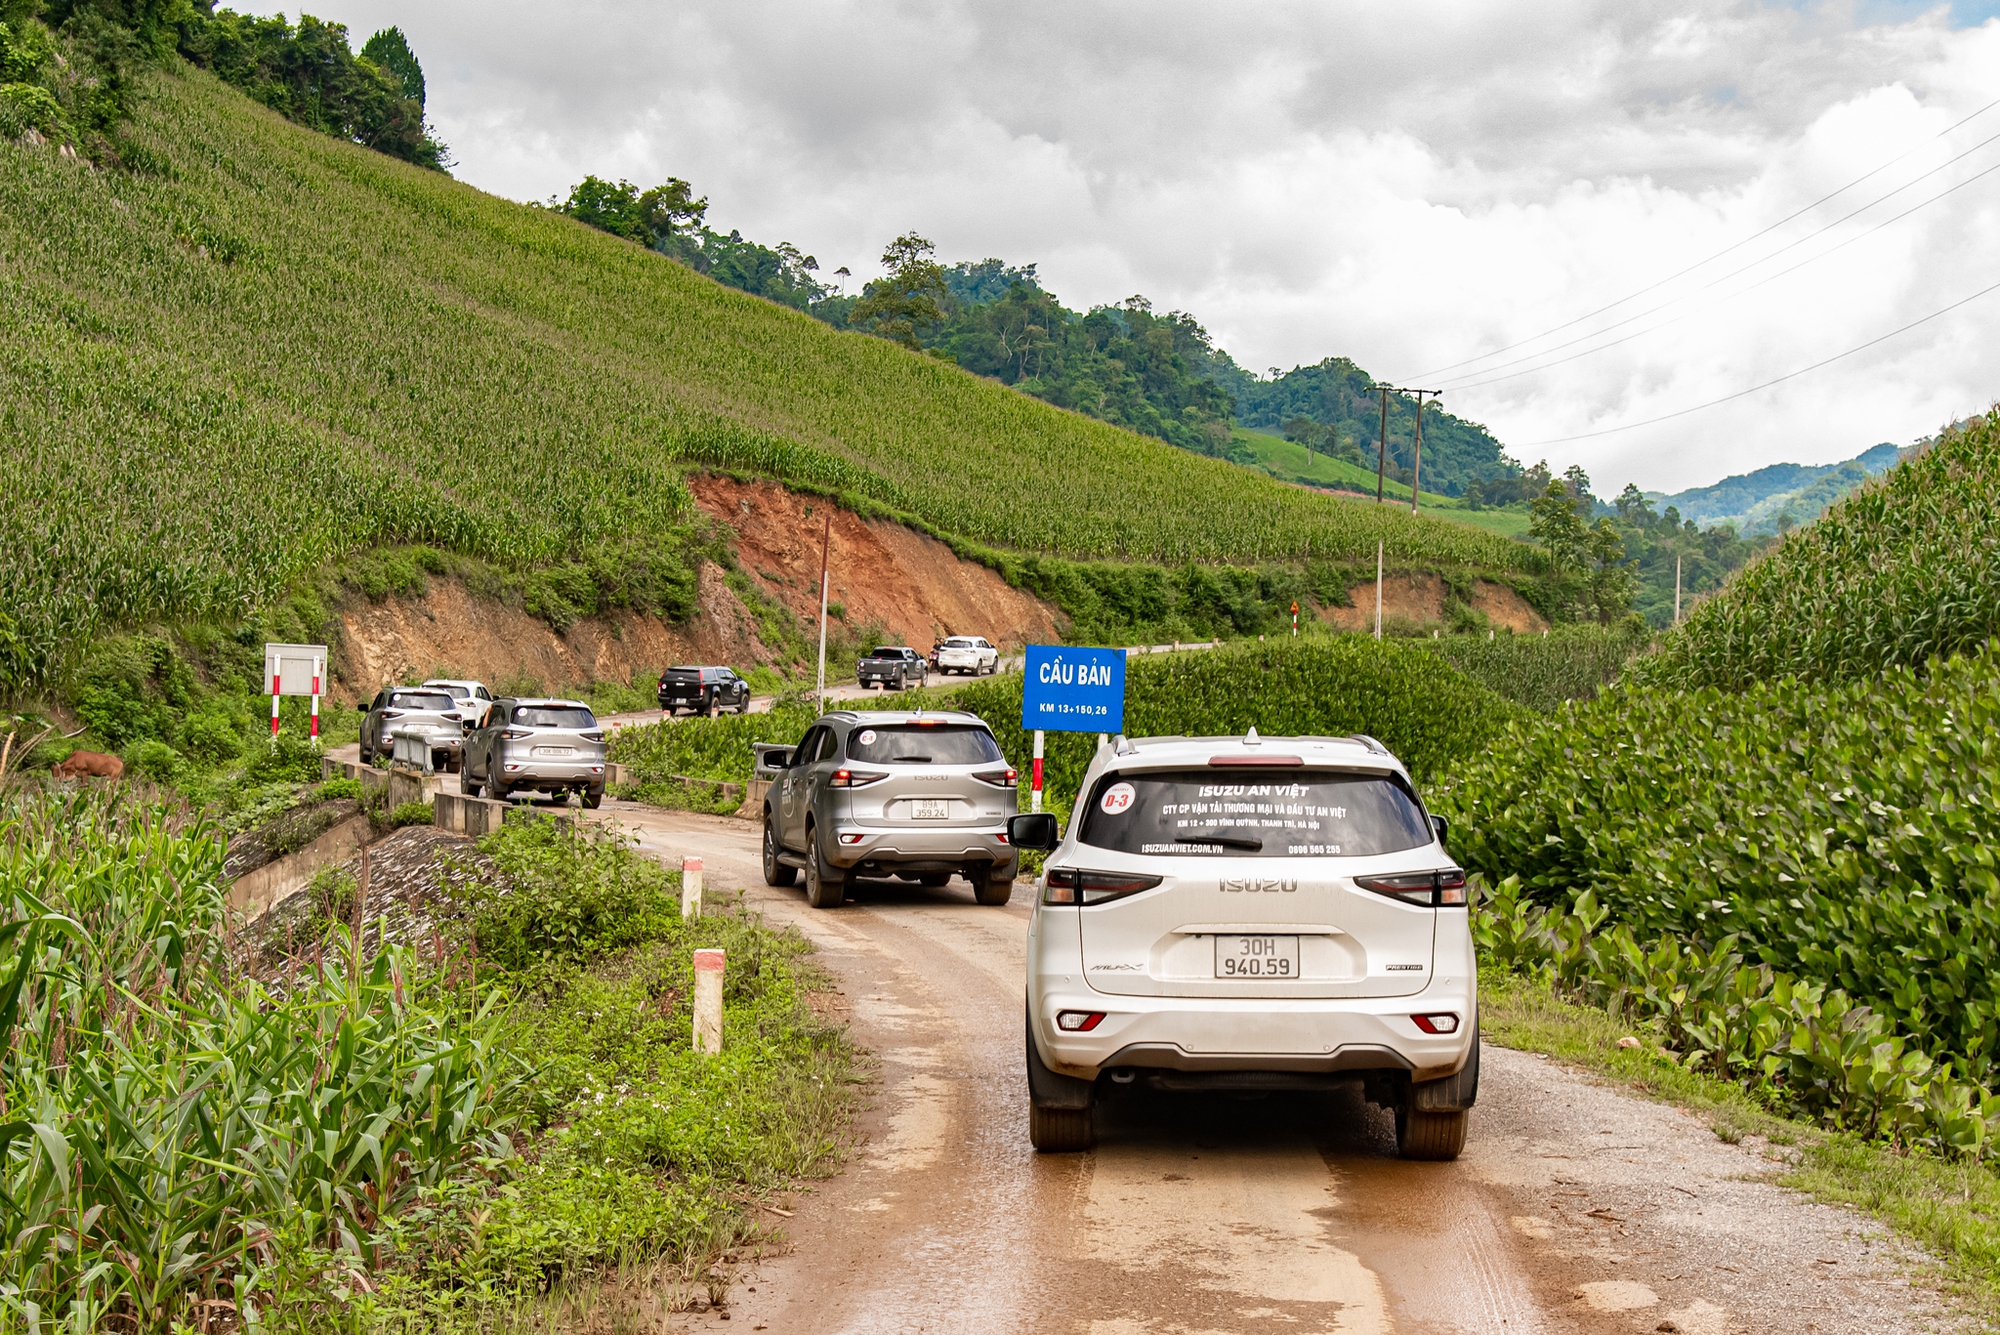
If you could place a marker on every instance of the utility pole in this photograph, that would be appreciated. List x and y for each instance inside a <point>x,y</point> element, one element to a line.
<point>825,555</point>
<point>1677,588</point>
<point>1417,460</point>
<point>1381,440</point>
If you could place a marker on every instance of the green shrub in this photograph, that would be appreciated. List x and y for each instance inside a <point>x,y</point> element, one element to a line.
<point>334,789</point>
<point>711,748</point>
<point>570,896</point>
<point>412,813</point>
<point>285,759</point>
<point>1839,833</point>
<point>1420,707</point>
<point>211,736</point>
<point>156,760</point>
<point>1895,574</point>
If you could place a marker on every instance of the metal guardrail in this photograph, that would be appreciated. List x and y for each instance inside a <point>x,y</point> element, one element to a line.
<point>411,749</point>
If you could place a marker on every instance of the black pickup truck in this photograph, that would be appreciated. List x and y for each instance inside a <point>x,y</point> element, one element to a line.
<point>892,667</point>
<point>704,690</point>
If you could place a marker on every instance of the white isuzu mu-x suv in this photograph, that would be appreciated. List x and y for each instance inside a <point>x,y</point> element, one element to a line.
<point>1250,913</point>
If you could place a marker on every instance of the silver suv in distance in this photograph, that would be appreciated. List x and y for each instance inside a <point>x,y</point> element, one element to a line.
<point>550,746</point>
<point>1246,913</point>
<point>472,697</point>
<point>898,793</point>
<point>424,709</point>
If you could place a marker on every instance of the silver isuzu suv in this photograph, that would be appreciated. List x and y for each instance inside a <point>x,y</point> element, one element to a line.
<point>892,793</point>
<point>1250,913</point>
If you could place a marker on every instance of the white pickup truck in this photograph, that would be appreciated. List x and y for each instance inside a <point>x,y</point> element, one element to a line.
<point>968,654</point>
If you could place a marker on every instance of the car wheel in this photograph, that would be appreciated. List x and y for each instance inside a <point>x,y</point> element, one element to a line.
<point>467,785</point>
<point>494,789</point>
<point>775,872</point>
<point>1429,1135</point>
<point>593,798</point>
<point>825,887</point>
<point>1059,1130</point>
<point>994,890</point>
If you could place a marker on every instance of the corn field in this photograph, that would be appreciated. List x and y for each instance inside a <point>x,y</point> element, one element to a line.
<point>1900,571</point>
<point>171,1127</point>
<point>272,347</point>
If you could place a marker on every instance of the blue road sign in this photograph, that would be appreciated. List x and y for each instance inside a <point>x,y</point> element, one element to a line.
<point>1066,689</point>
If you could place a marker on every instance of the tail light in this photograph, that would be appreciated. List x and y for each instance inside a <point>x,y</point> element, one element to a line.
<point>1444,1022</point>
<point>1444,888</point>
<point>1078,1022</point>
<point>847,778</point>
<point>1067,885</point>
<point>1000,778</point>
<point>591,736</point>
<point>454,718</point>
<point>516,734</point>
<point>392,713</point>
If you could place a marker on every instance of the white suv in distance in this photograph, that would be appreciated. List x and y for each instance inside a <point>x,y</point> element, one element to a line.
<point>968,654</point>
<point>1246,913</point>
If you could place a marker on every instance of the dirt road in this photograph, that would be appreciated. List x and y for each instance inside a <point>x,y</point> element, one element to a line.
<point>1574,1209</point>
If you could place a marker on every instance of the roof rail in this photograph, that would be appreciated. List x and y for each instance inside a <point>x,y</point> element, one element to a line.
<point>1370,743</point>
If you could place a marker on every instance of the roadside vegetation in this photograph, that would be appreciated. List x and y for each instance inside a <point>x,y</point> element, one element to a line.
<point>452,1132</point>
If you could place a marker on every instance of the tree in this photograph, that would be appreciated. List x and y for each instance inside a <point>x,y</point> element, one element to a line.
<point>1612,583</point>
<point>910,298</point>
<point>391,51</point>
<point>670,210</point>
<point>608,208</point>
<point>1556,525</point>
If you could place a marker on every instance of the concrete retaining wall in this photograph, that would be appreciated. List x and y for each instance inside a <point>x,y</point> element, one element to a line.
<point>372,780</point>
<point>254,892</point>
<point>470,816</point>
<point>408,786</point>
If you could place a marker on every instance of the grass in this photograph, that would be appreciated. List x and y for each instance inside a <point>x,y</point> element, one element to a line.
<point>1951,1208</point>
<point>1290,462</point>
<point>314,349</point>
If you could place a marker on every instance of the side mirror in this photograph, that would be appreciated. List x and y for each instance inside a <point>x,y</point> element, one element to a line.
<point>1442,826</point>
<point>1035,832</point>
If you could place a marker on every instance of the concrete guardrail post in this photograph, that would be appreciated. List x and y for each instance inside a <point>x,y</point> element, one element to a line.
<point>708,1001</point>
<point>691,888</point>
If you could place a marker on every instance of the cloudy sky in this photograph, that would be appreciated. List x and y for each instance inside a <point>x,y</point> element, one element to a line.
<point>1413,185</point>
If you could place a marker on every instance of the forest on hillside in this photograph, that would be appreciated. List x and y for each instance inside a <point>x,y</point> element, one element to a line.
<point>1160,374</point>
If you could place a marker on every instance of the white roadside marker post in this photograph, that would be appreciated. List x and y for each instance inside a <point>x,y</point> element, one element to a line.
<point>690,887</point>
<point>708,1001</point>
<point>317,665</point>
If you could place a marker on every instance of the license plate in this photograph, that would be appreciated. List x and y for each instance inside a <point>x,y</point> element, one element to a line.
<point>929,809</point>
<point>555,750</point>
<point>1256,957</point>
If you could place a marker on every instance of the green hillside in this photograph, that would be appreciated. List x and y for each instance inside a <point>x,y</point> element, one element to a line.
<point>1894,574</point>
<point>1291,462</point>
<point>273,347</point>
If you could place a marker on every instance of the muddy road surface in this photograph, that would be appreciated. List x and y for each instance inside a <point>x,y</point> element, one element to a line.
<point>1574,1209</point>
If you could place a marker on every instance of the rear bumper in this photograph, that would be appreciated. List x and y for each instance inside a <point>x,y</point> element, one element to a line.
<point>1307,1037</point>
<point>524,774</point>
<point>930,849</point>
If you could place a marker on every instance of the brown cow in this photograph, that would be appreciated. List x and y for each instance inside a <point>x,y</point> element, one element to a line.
<point>93,763</point>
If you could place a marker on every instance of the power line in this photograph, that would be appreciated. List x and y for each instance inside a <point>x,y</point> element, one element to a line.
<point>1737,273</point>
<point>1768,278</point>
<point>1567,324</point>
<point>1790,375</point>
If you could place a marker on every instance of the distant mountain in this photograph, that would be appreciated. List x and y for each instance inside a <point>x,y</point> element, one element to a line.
<point>1754,502</point>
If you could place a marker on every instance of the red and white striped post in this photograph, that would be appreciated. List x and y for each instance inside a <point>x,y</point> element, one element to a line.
<point>708,1001</point>
<point>1035,796</point>
<point>317,665</point>
<point>275,683</point>
<point>690,887</point>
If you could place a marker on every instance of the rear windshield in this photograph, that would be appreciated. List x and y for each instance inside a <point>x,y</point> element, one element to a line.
<point>431,700</point>
<point>553,716</point>
<point>922,744</point>
<point>958,644</point>
<point>455,692</point>
<point>1254,813</point>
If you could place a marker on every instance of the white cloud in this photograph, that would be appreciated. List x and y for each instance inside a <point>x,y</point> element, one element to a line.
<point>1406,185</point>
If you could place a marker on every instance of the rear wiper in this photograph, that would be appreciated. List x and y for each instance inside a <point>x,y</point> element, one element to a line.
<point>1224,840</point>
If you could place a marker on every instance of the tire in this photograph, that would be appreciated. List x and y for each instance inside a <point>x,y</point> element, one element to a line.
<point>823,890</point>
<point>775,872</point>
<point>494,789</point>
<point>592,798</point>
<point>1430,1135</point>
<point>995,890</point>
<point>934,879</point>
<point>467,785</point>
<point>1059,1130</point>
